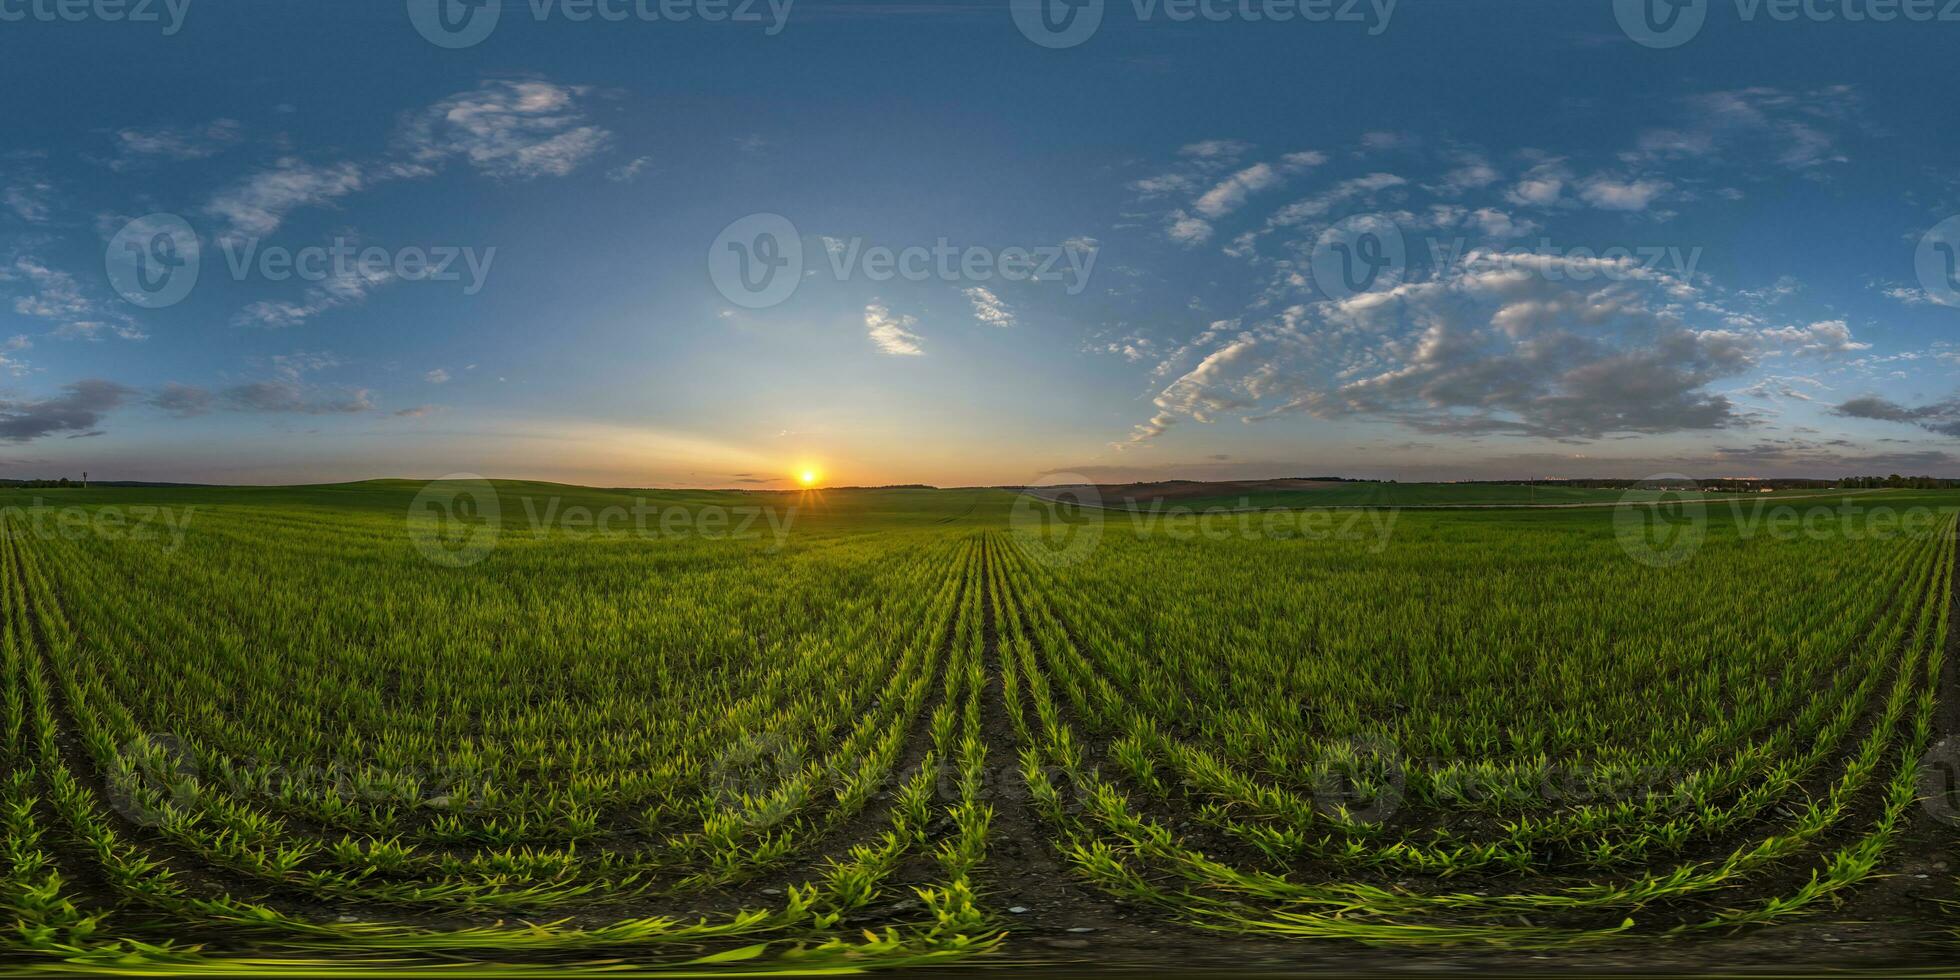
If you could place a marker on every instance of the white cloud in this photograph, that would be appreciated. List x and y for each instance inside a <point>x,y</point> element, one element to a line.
<point>1498,224</point>
<point>1132,348</point>
<point>346,287</point>
<point>1796,130</point>
<point>136,146</point>
<point>892,334</point>
<point>1186,229</point>
<point>1817,339</point>
<point>300,363</point>
<point>1383,140</point>
<point>32,198</point>
<point>1612,194</point>
<point>1215,149</point>
<point>436,377</point>
<point>1475,173</point>
<point>627,171</point>
<point>56,294</point>
<point>1541,186</point>
<point>257,205</point>
<point>59,297</point>
<point>507,129</point>
<point>1312,208</point>
<point>94,329</point>
<point>1230,193</point>
<point>988,308</point>
<point>1777,386</point>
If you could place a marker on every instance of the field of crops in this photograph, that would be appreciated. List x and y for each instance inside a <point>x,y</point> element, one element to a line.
<point>579,731</point>
<point>1411,495</point>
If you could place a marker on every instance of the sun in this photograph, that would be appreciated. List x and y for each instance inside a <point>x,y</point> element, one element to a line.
<point>808,478</point>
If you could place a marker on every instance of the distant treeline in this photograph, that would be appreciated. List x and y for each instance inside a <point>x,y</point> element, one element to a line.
<point>1903,482</point>
<point>1894,481</point>
<point>59,482</point>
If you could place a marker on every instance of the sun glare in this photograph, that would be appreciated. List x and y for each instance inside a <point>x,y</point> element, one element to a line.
<point>808,478</point>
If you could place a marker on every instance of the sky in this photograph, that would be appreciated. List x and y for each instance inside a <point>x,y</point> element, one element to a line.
<point>703,243</point>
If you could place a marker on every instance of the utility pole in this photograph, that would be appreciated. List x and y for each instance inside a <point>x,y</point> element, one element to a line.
<point>85,479</point>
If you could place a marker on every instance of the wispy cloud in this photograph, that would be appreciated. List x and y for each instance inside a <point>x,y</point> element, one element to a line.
<point>346,287</point>
<point>626,172</point>
<point>55,295</point>
<point>513,130</point>
<point>135,147</point>
<point>892,333</point>
<point>509,130</point>
<point>1824,337</point>
<point>988,308</point>
<point>29,196</point>
<point>257,205</point>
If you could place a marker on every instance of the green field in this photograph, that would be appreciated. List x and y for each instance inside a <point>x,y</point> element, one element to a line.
<point>409,727</point>
<point>1362,494</point>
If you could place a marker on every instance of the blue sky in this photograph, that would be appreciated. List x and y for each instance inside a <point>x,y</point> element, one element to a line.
<point>1721,258</point>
